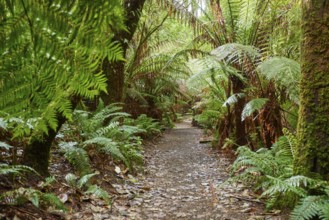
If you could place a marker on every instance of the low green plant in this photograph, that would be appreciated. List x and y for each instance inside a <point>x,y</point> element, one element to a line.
<point>83,185</point>
<point>22,195</point>
<point>77,156</point>
<point>6,169</point>
<point>148,126</point>
<point>271,171</point>
<point>313,206</point>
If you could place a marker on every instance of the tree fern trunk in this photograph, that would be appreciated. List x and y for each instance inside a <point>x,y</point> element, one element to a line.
<point>313,126</point>
<point>240,129</point>
<point>115,70</point>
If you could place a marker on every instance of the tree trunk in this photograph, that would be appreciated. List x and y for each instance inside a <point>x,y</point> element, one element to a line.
<point>114,71</point>
<point>37,153</point>
<point>240,130</point>
<point>312,154</point>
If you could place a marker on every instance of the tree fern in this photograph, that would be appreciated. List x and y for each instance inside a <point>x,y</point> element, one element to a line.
<point>284,71</point>
<point>45,39</point>
<point>234,53</point>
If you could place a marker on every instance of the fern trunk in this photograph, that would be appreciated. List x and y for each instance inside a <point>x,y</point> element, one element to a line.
<point>115,70</point>
<point>240,128</point>
<point>312,154</point>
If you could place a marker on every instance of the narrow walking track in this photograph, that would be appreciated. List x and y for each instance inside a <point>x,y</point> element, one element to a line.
<point>182,183</point>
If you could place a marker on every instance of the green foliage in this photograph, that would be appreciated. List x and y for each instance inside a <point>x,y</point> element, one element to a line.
<point>272,172</point>
<point>233,99</point>
<point>285,72</point>
<point>77,156</point>
<point>98,192</point>
<point>77,183</point>
<point>6,169</point>
<point>50,56</point>
<point>108,146</point>
<point>113,132</point>
<point>235,53</point>
<point>83,184</point>
<point>5,145</point>
<point>312,206</point>
<point>36,197</point>
<point>252,106</point>
<point>148,126</point>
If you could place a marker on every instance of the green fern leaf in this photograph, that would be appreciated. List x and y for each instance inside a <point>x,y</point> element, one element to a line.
<point>307,208</point>
<point>5,145</point>
<point>99,193</point>
<point>233,99</point>
<point>77,156</point>
<point>85,179</point>
<point>71,179</point>
<point>252,106</point>
<point>108,146</point>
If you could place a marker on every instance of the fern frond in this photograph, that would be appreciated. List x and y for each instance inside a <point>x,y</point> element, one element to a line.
<point>99,193</point>
<point>77,156</point>
<point>234,53</point>
<point>22,195</point>
<point>107,146</point>
<point>252,106</point>
<point>5,145</point>
<point>3,124</point>
<point>284,71</point>
<point>233,99</point>
<point>71,179</point>
<point>309,207</point>
<point>6,169</point>
<point>279,186</point>
<point>84,180</point>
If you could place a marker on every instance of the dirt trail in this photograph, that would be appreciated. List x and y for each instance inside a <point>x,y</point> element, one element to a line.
<point>182,183</point>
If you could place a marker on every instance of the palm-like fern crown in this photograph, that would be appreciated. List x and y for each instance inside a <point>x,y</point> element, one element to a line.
<point>50,52</point>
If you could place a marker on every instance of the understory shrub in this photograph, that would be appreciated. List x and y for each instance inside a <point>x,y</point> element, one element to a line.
<point>271,171</point>
<point>111,132</point>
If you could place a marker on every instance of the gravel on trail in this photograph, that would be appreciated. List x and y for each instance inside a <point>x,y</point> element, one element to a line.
<point>184,180</point>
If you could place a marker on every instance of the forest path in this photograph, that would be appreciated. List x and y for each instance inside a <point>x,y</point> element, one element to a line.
<point>182,183</point>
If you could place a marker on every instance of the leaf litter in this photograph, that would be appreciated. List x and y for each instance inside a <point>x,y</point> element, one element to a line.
<point>184,180</point>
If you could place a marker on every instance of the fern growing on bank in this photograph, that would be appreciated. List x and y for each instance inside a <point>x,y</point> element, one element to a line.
<point>77,156</point>
<point>37,198</point>
<point>108,131</point>
<point>271,171</point>
<point>84,185</point>
<point>312,206</point>
<point>6,169</point>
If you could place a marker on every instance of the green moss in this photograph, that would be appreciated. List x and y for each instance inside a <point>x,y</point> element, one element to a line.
<point>313,128</point>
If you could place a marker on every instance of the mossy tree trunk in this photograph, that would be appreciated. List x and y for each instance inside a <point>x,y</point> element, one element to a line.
<point>312,153</point>
<point>115,70</point>
<point>37,152</point>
